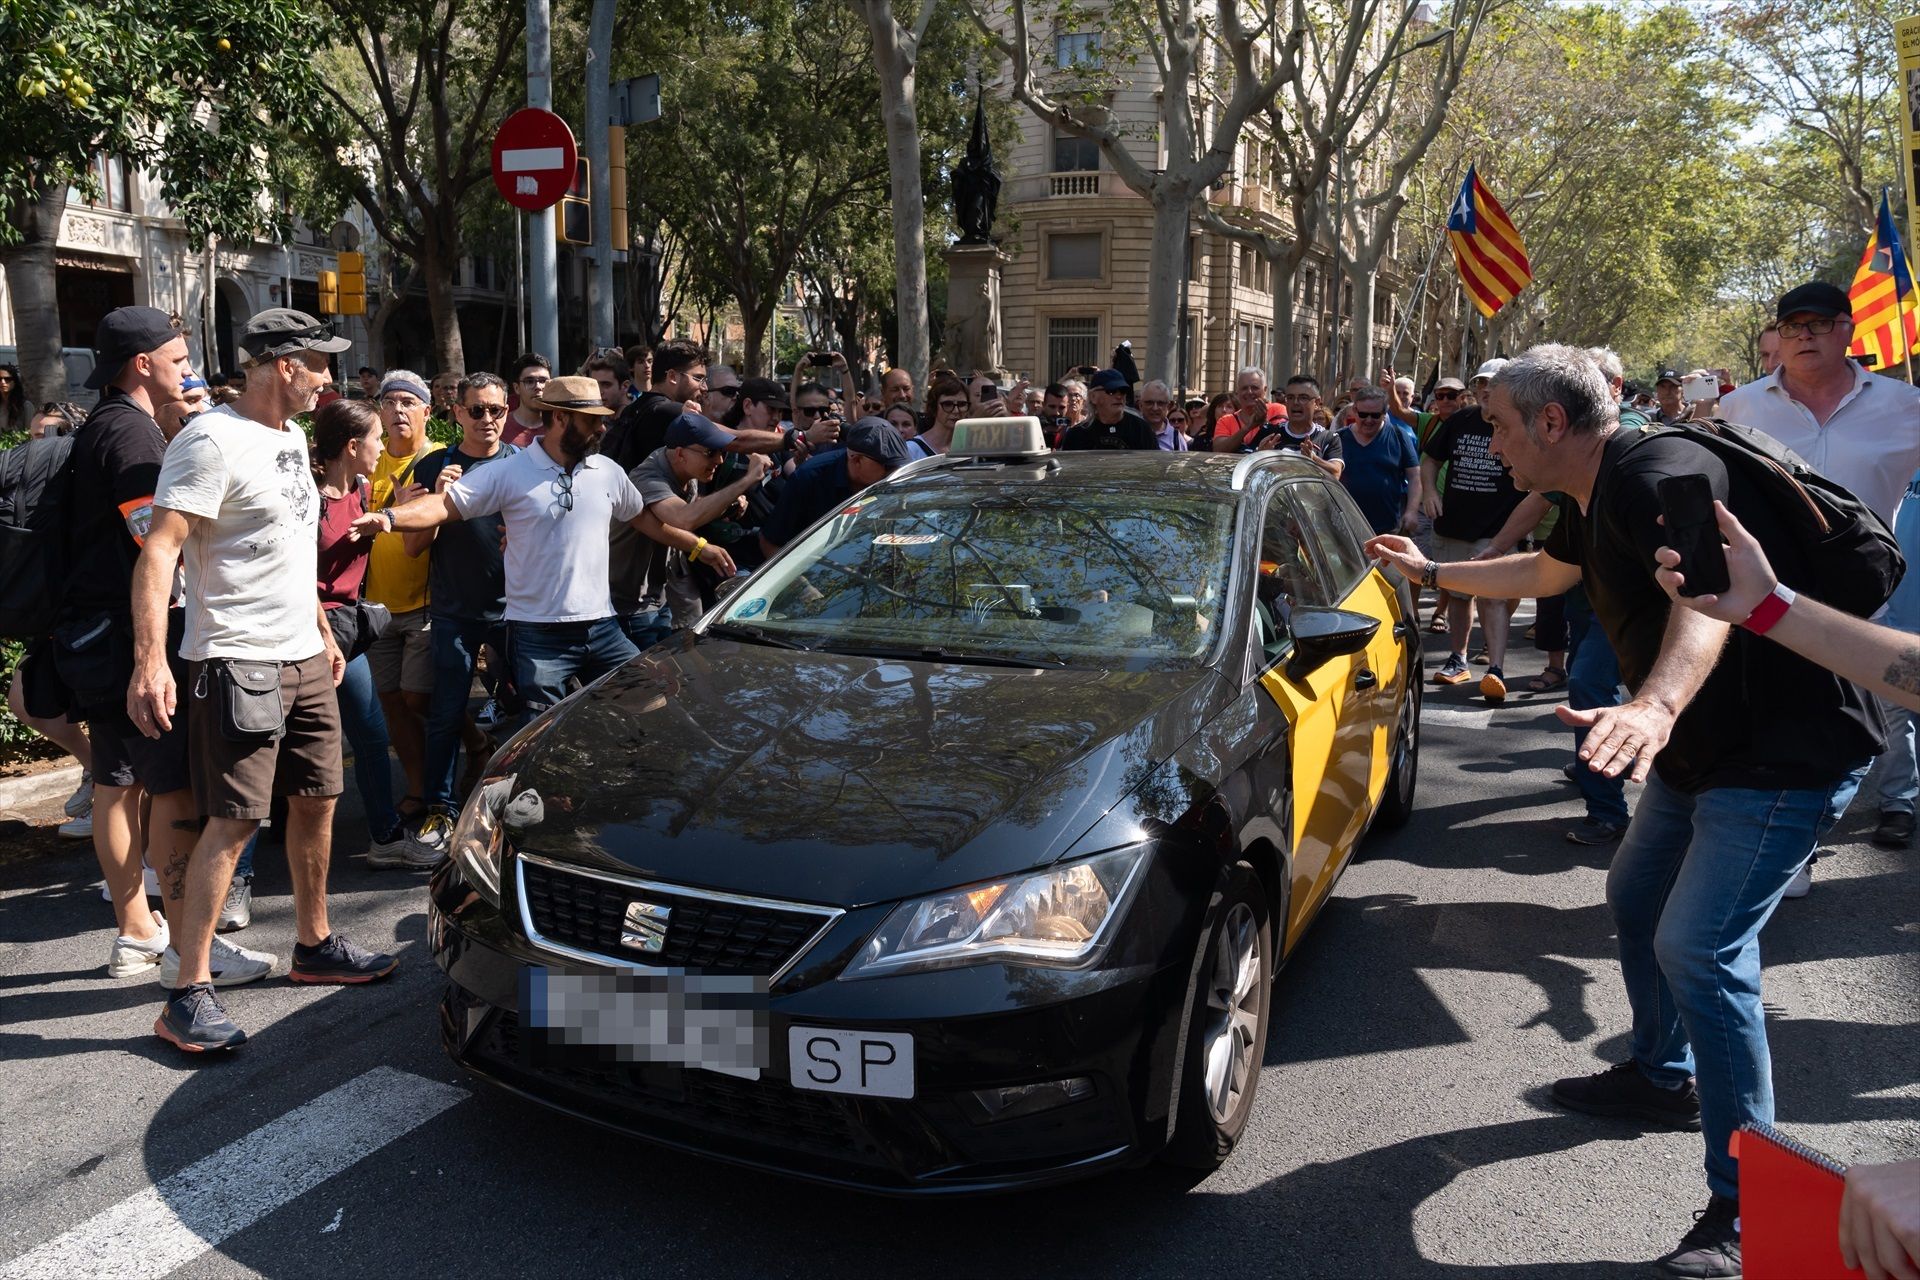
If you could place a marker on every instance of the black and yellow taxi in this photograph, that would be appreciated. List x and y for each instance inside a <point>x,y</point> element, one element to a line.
<point>957,848</point>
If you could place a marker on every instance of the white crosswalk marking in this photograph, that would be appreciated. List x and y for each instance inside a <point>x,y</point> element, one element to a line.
<point>180,1218</point>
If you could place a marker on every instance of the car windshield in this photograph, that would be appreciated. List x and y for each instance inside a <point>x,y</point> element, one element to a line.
<point>1106,578</point>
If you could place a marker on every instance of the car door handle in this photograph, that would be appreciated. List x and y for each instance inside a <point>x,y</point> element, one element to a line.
<point>1365,679</point>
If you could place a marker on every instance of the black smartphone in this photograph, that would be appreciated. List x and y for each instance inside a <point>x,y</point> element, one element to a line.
<point>820,359</point>
<point>1686,502</point>
<point>989,391</point>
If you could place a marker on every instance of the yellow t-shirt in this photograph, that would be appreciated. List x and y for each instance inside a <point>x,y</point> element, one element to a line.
<point>394,578</point>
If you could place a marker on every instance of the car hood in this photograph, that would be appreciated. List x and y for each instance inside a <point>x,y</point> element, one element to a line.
<point>841,780</point>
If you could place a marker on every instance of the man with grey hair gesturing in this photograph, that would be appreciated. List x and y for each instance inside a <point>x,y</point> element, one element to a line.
<point>1740,756</point>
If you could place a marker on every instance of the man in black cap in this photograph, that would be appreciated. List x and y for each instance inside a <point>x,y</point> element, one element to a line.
<point>236,496</point>
<point>1666,393</point>
<point>872,450</point>
<point>140,361</point>
<point>1861,430</point>
<point>1112,425</point>
<point>675,483</point>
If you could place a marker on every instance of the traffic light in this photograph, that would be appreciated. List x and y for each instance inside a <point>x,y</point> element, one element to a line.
<point>575,223</point>
<point>351,288</point>
<point>329,294</point>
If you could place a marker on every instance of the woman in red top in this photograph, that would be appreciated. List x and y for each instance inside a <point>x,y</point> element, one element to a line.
<point>346,447</point>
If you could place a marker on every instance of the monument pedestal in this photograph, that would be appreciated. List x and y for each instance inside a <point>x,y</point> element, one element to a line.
<point>972,342</point>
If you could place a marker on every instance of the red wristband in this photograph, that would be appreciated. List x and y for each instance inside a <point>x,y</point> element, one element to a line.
<point>1770,610</point>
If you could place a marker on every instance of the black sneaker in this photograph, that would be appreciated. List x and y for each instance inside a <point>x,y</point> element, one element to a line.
<point>1712,1247</point>
<point>194,1021</point>
<point>1895,829</point>
<point>1623,1092</point>
<point>337,960</point>
<point>1593,831</point>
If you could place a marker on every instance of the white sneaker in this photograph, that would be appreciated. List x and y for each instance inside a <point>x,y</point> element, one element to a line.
<point>80,828</point>
<point>148,878</point>
<point>229,965</point>
<point>81,800</point>
<point>404,851</point>
<point>1802,883</point>
<point>132,956</point>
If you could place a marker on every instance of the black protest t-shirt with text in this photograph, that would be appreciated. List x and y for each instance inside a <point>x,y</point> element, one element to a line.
<point>1129,432</point>
<point>1477,494</point>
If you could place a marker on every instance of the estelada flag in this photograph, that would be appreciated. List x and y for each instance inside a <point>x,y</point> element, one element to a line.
<point>1492,261</point>
<point>1885,326</point>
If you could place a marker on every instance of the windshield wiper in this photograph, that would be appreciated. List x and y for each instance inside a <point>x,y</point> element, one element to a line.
<point>758,635</point>
<point>934,653</point>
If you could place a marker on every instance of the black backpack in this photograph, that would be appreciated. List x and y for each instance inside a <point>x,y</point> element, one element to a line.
<point>35,488</point>
<point>1847,556</point>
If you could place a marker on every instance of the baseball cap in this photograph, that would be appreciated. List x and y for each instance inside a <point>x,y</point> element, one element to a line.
<point>1107,380</point>
<point>876,438</point>
<point>1818,298</point>
<point>698,428</point>
<point>1449,384</point>
<point>280,331</point>
<point>1490,369</point>
<point>574,393</point>
<point>764,391</point>
<point>126,332</point>
<point>1668,375</point>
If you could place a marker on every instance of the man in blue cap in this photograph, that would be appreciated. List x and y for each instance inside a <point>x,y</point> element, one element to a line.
<point>1112,425</point>
<point>872,450</point>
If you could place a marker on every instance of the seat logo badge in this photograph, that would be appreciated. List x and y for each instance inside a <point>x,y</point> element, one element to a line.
<point>645,927</point>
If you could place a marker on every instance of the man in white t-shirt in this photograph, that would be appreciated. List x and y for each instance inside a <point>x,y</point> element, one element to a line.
<point>558,499</point>
<point>236,500</point>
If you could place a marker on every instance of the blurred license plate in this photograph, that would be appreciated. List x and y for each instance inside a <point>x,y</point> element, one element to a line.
<point>715,1022</point>
<point>874,1064</point>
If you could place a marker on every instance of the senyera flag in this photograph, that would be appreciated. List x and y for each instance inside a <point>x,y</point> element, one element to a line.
<point>1885,326</point>
<point>1492,261</point>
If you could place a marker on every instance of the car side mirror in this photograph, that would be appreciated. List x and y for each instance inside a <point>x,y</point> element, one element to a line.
<point>727,588</point>
<point>1321,635</point>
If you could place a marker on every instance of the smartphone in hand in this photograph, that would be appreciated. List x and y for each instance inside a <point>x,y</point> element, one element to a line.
<point>1686,504</point>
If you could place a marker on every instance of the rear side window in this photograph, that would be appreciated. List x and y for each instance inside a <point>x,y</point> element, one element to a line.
<point>1332,533</point>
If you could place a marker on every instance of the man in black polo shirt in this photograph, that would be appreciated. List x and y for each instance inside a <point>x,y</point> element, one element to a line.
<point>872,451</point>
<point>1111,425</point>
<point>1742,745</point>
<point>467,596</point>
<point>140,358</point>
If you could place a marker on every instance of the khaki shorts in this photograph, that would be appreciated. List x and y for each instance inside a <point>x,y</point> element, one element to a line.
<point>402,658</point>
<point>240,779</point>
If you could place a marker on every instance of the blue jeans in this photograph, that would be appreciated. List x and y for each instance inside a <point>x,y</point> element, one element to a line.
<point>1593,681</point>
<point>365,727</point>
<point>648,627</point>
<point>1693,881</point>
<point>456,647</point>
<point>1899,778</point>
<point>546,655</point>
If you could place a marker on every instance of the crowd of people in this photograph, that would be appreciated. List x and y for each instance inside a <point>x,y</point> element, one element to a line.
<point>578,518</point>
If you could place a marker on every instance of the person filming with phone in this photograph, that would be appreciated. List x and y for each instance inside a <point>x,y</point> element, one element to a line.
<point>1741,744</point>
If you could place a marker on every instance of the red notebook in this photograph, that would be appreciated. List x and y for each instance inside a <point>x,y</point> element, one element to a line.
<point>1789,1208</point>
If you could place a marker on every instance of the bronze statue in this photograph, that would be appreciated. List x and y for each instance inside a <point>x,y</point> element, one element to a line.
<point>976,183</point>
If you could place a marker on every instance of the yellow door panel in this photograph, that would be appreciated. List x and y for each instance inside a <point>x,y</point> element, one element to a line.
<point>1326,787</point>
<point>1375,598</point>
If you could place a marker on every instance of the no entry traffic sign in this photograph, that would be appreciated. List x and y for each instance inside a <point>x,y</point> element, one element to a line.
<point>533,159</point>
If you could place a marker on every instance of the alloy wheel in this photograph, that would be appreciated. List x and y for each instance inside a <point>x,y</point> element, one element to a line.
<point>1233,1012</point>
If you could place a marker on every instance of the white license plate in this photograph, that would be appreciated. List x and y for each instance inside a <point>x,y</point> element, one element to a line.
<point>873,1064</point>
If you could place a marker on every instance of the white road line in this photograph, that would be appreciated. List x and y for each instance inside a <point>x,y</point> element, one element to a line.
<point>180,1218</point>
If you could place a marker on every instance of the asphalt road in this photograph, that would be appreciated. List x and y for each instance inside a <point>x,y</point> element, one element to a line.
<point>1401,1128</point>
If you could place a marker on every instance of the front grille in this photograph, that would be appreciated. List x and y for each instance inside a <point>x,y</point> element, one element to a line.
<point>713,936</point>
<point>767,1112</point>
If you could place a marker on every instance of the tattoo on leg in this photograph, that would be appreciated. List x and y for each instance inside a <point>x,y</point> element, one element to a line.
<point>177,874</point>
<point>1903,673</point>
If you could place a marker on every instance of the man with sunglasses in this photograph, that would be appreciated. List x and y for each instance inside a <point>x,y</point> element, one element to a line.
<point>1382,469</point>
<point>723,391</point>
<point>1862,431</point>
<point>556,501</point>
<point>467,597</point>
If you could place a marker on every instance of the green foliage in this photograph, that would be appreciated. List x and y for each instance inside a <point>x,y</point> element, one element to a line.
<point>198,91</point>
<point>15,737</point>
<point>443,431</point>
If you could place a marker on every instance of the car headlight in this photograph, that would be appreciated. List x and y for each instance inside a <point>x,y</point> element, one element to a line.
<point>479,838</point>
<point>1059,917</point>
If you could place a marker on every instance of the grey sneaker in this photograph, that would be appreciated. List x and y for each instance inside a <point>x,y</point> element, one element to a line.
<point>81,801</point>
<point>404,851</point>
<point>230,965</point>
<point>131,956</point>
<point>194,1021</point>
<point>338,961</point>
<point>237,912</point>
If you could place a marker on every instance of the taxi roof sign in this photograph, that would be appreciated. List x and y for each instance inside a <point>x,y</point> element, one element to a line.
<point>997,438</point>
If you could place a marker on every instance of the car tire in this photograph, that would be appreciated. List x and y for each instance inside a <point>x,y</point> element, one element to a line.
<point>1227,1030</point>
<point>1396,802</point>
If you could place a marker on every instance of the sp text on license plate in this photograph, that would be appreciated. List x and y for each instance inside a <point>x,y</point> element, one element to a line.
<point>873,1064</point>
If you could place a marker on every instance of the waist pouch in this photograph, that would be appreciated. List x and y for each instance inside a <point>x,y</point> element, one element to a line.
<point>246,698</point>
<point>93,659</point>
<point>356,626</point>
